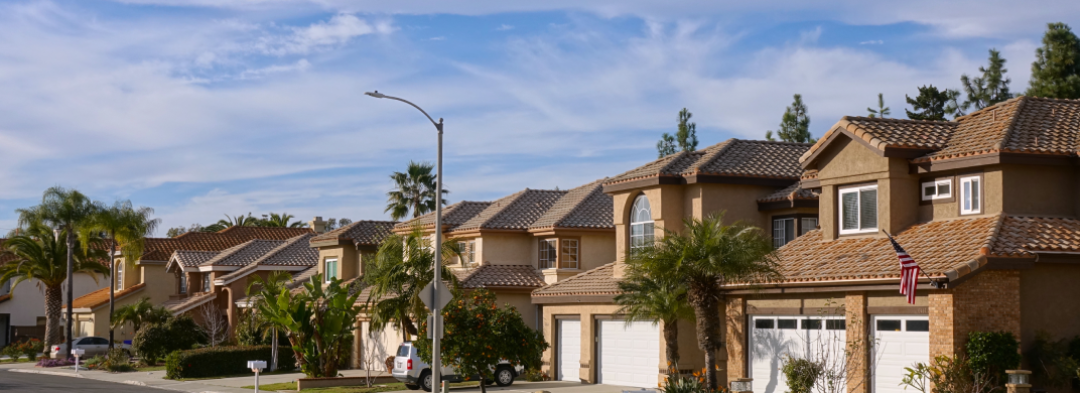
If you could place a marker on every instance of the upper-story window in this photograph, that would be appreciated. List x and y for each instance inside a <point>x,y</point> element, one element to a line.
<point>331,269</point>
<point>548,254</point>
<point>206,282</point>
<point>786,229</point>
<point>937,189</point>
<point>119,276</point>
<point>858,209</point>
<point>641,223</point>
<point>970,195</point>
<point>569,254</point>
<point>468,252</point>
<point>183,283</point>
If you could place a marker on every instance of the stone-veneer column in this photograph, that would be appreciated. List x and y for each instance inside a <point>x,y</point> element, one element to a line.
<point>736,338</point>
<point>988,302</point>
<point>858,342</point>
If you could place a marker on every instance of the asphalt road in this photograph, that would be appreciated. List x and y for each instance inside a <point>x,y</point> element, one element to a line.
<point>26,382</point>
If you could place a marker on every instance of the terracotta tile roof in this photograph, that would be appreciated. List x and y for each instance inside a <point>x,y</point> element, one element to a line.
<point>810,174</point>
<point>937,246</point>
<point>732,157</point>
<point>882,133</point>
<point>488,276</point>
<point>598,281</point>
<point>1020,125</point>
<point>186,304</point>
<point>100,297</point>
<point>161,249</point>
<point>516,211</point>
<point>4,298</point>
<point>292,252</point>
<point>361,233</point>
<point>243,254</point>
<point>586,206</point>
<point>1024,235</point>
<point>192,258</point>
<point>790,193</point>
<point>453,215</point>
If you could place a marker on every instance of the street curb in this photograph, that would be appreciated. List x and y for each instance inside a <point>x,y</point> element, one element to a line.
<point>17,370</point>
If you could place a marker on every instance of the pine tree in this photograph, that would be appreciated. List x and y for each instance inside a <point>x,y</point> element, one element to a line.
<point>687,134</point>
<point>666,145</point>
<point>990,88</point>
<point>881,111</point>
<point>1056,70</point>
<point>932,104</point>
<point>794,125</point>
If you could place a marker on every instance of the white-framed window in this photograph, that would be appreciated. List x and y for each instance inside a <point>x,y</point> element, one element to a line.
<point>937,189</point>
<point>858,209</point>
<point>641,223</point>
<point>970,195</point>
<point>548,254</point>
<point>569,255</point>
<point>783,230</point>
<point>183,283</point>
<point>206,282</point>
<point>119,276</point>
<point>808,224</point>
<point>330,269</point>
<point>468,252</point>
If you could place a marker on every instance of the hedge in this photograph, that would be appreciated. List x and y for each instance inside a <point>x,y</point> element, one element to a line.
<point>222,361</point>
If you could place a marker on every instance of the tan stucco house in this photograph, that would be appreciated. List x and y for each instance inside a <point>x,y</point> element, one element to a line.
<point>149,277</point>
<point>752,181</point>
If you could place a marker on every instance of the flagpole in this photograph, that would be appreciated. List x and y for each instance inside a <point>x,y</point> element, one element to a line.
<point>933,282</point>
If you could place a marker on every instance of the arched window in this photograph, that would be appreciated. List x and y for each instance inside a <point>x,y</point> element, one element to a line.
<point>641,223</point>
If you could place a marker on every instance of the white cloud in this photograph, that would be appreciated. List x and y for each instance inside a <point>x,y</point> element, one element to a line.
<point>340,29</point>
<point>810,36</point>
<point>504,27</point>
<point>439,38</point>
<point>872,42</point>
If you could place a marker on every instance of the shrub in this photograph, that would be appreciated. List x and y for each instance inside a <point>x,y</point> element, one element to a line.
<point>13,351</point>
<point>535,375</point>
<point>118,361</point>
<point>695,383</point>
<point>31,348</point>
<point>389,364</point>
<point>991,353</point>
<point>46,362</point>
<point>94,362</point>
<point>1055,362</point>
<point>946,375</point>
<point>801,374</point>
<point>221,361</point>
<point>154,341</point>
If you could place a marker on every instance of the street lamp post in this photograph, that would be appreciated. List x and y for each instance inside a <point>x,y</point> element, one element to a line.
<point>436,310</point>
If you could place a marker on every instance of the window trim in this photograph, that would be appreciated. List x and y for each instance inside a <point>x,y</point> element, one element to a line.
<point>798,217</point>
<point>326,269</point>
<point>936,183</point>
<point>980,198</point>
<point>552,261</point>
<point>562,263</point>
<point>856,189</point>
<point>644,224</point>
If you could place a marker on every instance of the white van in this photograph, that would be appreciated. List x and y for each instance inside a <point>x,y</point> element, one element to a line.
<point>416,374</point>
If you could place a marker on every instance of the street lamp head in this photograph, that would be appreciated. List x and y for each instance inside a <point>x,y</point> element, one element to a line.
<point>376,94</point>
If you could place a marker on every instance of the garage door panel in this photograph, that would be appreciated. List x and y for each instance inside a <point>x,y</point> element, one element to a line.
<point>901,345</point>
<point>629,354</point>
<point>772,338</point>
<point>569,350</point>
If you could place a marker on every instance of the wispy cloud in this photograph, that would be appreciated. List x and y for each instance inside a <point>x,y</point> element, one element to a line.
<point>439,38</point>
<point>504,27</point>
<point>872,42</point>
<point>340,29</point>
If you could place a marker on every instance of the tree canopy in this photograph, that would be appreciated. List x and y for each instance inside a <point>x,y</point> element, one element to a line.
<point>414,191</point>
<point>685,138</point>
<point>794,124</point>
<point>933,104</point>
<point>1056,70</point>
<point>989,88</point>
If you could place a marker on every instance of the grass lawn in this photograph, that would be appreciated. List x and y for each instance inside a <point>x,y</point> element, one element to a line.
<point>19,360</point>
<point>379,387</point>
<point>151,368</point>
<point>239,375</point>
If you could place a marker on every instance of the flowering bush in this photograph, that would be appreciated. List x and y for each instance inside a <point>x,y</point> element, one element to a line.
<point>694,383</point>
<point>30,348</point>
<point>46,362</point>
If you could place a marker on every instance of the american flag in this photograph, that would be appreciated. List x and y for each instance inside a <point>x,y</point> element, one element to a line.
<point>909,271</point>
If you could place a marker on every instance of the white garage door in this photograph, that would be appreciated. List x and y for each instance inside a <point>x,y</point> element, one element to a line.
<point>629,354</point>
<point>901,342</point>
<point>378,345</point>
<point>569,350</point>
<point>773,338</point>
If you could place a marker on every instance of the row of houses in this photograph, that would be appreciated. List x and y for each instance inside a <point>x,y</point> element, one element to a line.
<point>987,204</point>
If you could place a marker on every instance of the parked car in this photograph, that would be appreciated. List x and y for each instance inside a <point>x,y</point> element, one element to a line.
<point>416,374</point>
<point>91,345</point>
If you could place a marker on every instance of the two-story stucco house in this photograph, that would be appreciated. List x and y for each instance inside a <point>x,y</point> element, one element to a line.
<point>752,181</point>
<point>985,204</point>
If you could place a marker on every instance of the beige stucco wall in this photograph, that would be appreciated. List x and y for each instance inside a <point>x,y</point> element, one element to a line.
<point>348,261</point>
<point>27,301</point>
<point>737,201</point>
<point>597,249</point>
<point>1042,189</point>
<point>1048,300</point>
<point>520,300</point>
<point>506,249</point>
<point>159,283</point>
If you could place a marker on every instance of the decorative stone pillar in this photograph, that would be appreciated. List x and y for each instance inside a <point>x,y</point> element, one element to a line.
<point>858,340</point>
<point>735,342</point>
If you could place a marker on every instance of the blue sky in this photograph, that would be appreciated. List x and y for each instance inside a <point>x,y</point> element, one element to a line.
<point>203,108</point>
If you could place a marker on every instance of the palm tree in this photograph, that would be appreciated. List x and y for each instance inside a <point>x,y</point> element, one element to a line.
<point>280,221</point>
<point>705,255</point>
<point>655,296</point>
<point>126,227</point>
<point>263,293</point>
<point>414,191</point>
<point>68,211</point>
<point>139,313</point>
<point>40,255</point>
<point>402,267</point>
